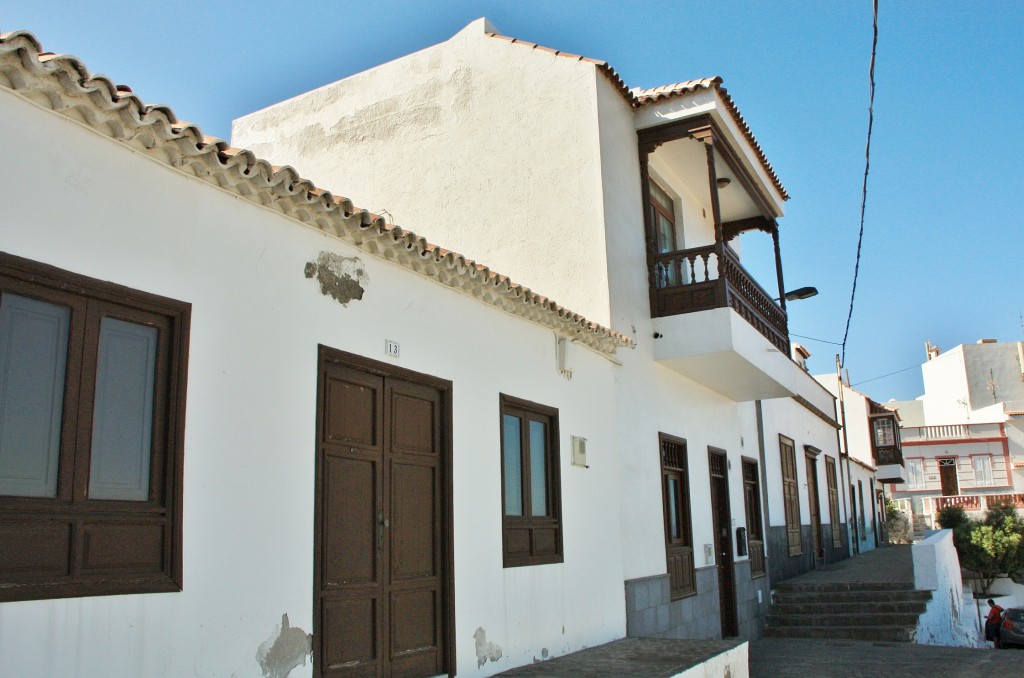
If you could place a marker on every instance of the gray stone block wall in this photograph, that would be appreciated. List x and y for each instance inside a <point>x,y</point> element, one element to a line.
<point>650,613</point>
<point>750,610</point>
<point>782,566</point>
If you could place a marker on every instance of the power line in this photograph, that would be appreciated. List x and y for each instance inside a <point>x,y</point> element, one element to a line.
<point>824,341</point>
<point>885,375</point>
<point>867,165</point>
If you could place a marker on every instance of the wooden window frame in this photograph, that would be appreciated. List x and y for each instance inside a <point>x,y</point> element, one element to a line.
<point>660,210</point>
<point>832,482</point>
<point>678,551</point>
<point>752,506</point>
<point>528,539</point>
<point>791,495</point>
<point>70,545</point>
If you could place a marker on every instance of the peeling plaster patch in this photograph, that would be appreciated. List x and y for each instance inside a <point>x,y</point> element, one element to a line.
<point>286,649</point>
<point>342,278</point>
<point>485,651</point>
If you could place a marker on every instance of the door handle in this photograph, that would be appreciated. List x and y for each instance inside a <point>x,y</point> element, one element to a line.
<point>382,523</point>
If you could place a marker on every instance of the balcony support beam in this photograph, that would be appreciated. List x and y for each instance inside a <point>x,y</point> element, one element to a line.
<point>778,266</point>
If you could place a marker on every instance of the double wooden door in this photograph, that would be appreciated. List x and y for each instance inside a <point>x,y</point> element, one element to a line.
<point>382,574</point>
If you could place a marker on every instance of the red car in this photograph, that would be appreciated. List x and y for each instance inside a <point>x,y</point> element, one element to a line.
<point>1011,628</point>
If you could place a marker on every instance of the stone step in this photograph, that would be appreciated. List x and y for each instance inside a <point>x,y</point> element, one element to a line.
<point>898,634</point>
<point>799,597</point>
<point>841,587</point>
<point>842,608</point>
<point>775,620</point>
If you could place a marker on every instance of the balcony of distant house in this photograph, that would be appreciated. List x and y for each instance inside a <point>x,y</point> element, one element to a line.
<point>714,322</point>
<point>965,465</point>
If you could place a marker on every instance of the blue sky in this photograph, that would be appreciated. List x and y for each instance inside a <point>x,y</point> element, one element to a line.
<point>942,249</point>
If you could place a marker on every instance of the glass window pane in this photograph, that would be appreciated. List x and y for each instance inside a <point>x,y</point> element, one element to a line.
<point>661,197</point>
<point>33,360</point>
<point>513,461</point>
<point>122,423</point>
<point>666,235</point>
<point>538,469</point>
<point>673,508</point>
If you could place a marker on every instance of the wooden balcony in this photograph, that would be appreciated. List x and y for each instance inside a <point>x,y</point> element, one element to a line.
<point>699,279</point>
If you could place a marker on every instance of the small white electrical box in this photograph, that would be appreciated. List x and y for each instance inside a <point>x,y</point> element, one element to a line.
<point>709,554</point>
<point>579,451</point>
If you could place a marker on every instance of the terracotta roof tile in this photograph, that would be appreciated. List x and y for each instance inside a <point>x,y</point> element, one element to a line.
<point>638,98</point>
<point>64,84</point>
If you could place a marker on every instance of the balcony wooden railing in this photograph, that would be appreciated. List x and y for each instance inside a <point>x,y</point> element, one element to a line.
<point>888,455</point>
<point>697,279</point>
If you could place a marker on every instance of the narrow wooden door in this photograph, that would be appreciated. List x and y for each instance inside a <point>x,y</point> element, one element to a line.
<point>382,547</point>
<point>722,524</point>
<point>947,476</point>
<point>814,504</point>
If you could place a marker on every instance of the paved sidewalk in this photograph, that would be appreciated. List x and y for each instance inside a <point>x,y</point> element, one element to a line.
<point>805,657</point>
<point>646,657</point>
<point>886,565</point>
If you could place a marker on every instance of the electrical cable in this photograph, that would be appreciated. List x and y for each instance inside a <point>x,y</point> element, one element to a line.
<point>867,165</point>
<point>884,375</point>
<point>824,341</point>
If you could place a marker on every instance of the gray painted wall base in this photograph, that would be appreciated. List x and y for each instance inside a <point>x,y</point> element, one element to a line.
<point>650,613</point>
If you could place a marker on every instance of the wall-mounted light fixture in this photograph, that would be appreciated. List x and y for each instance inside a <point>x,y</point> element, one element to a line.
<point>723,182</point>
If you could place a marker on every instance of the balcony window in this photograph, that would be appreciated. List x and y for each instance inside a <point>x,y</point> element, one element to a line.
<point>915,474</point>
<point>982,470</point>
<point>664,219</point>
<point>885,433</point>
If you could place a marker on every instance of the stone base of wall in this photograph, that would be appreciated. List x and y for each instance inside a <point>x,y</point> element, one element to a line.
<point>650,613</point>
<point>750,608</point>
<point>782,566</point>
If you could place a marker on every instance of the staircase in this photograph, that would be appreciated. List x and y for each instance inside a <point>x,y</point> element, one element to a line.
<point>919,525</point>
<point>878,611</point>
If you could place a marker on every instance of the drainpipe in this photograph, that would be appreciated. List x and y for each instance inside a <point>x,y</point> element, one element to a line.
<point>844,453</point>
<point>764,465</point>
<point>764,495</point>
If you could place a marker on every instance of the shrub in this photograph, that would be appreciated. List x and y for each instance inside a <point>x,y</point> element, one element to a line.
<point>898,525</point>
<point>952,517</point>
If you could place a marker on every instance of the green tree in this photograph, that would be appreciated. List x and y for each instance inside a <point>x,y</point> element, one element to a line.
<point>993,547</point>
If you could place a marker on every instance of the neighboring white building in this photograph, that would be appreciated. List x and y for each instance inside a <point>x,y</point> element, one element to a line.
<point>871,445</point>
<point>249,421</point>
<point>964,438</point>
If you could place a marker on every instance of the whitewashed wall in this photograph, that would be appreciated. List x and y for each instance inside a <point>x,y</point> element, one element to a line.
<point>785,416</point>
<point>488,147</point>
<point>79,201</point>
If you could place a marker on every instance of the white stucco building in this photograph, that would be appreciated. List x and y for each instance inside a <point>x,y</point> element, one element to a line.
<point>872,451</point>
<point>255,428</point>
<point>964,437</point>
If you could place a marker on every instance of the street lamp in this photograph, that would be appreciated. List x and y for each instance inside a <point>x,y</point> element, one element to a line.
<point>801,293</point>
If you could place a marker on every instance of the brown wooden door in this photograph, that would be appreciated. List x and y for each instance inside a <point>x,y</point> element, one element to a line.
<point>382,572</point>
<point>947,475</point>
<point>722,523</point>
<point>815,505</point>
